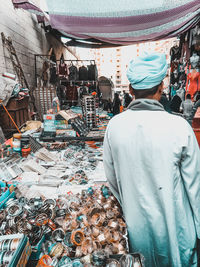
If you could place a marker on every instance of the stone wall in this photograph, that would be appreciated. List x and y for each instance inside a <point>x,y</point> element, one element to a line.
<point>29,38</point>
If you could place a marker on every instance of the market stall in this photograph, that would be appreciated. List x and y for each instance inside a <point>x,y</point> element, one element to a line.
<point>185,74</point>
<point>59,199</point>
<point>55,192</point>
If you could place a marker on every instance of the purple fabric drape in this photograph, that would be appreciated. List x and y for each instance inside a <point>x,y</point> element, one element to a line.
<point>118,28</point>
<point>78,24</point>
<point>26,5</point>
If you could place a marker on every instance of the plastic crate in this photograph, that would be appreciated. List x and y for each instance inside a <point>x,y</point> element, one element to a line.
<point>2,205</point>
<point>23,251</point>
<point>6,195</point>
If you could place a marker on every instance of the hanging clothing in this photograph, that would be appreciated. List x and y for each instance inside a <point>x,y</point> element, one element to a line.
<point>152,163</point>
<point>53,75</point>
<point>186,51</point>
<point>63,70</point>
<point>193,83</point>
<point>67,94</point>
<point>194,35</point>
<point>45,75</point>
<point>73,73</point>
<point>45,78</point>
<point>83,74</point>
<point>174,66</point>
<point>175,53</point>
<point>92,72</point>
<point>72,93</point>
<point>194,61</point>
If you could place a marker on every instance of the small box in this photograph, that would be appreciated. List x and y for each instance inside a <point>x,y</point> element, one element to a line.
<point>22,253</point>
<point>61,124</point>
<point>71,133</point>
<point>49,123</point>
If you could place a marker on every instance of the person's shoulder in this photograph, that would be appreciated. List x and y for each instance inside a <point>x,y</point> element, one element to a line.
<point>117,118</point>
<point>179,123</point>
<point>175,116</point>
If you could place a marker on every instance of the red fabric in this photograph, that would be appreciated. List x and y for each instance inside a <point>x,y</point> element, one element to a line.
<point>193,83</point>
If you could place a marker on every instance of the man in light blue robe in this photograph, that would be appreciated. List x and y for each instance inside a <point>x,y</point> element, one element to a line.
<point>152,163</point>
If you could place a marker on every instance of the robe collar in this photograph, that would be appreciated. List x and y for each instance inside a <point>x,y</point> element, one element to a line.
<point>146,104</point>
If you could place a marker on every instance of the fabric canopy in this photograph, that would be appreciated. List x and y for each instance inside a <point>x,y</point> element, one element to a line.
<point>120,22</point>
<point>32,8</point>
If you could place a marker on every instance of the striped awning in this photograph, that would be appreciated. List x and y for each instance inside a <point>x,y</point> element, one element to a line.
<point>121,22</point>
<point>32,8</point>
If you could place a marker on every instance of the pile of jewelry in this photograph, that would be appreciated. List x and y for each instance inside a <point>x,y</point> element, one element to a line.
<point>86,159</point>
<point>97,258</point>
<point>92,222</point>
<point>79,224</point>
<point>32,217</point>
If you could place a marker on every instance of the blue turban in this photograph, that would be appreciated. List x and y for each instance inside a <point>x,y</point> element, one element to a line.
<point>147,71</point>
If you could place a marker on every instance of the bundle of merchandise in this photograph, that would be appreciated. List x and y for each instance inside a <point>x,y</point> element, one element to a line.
<point>79,126</point>
<point>89,111</point>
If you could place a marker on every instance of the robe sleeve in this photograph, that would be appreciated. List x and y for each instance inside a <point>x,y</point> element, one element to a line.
<point>109,167</point>
<point>190,171</point>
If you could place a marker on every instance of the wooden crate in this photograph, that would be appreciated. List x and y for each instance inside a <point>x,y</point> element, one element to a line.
<point>18,110</point>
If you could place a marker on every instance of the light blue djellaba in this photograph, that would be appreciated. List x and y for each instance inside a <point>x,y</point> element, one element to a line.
<point>152,163</point>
